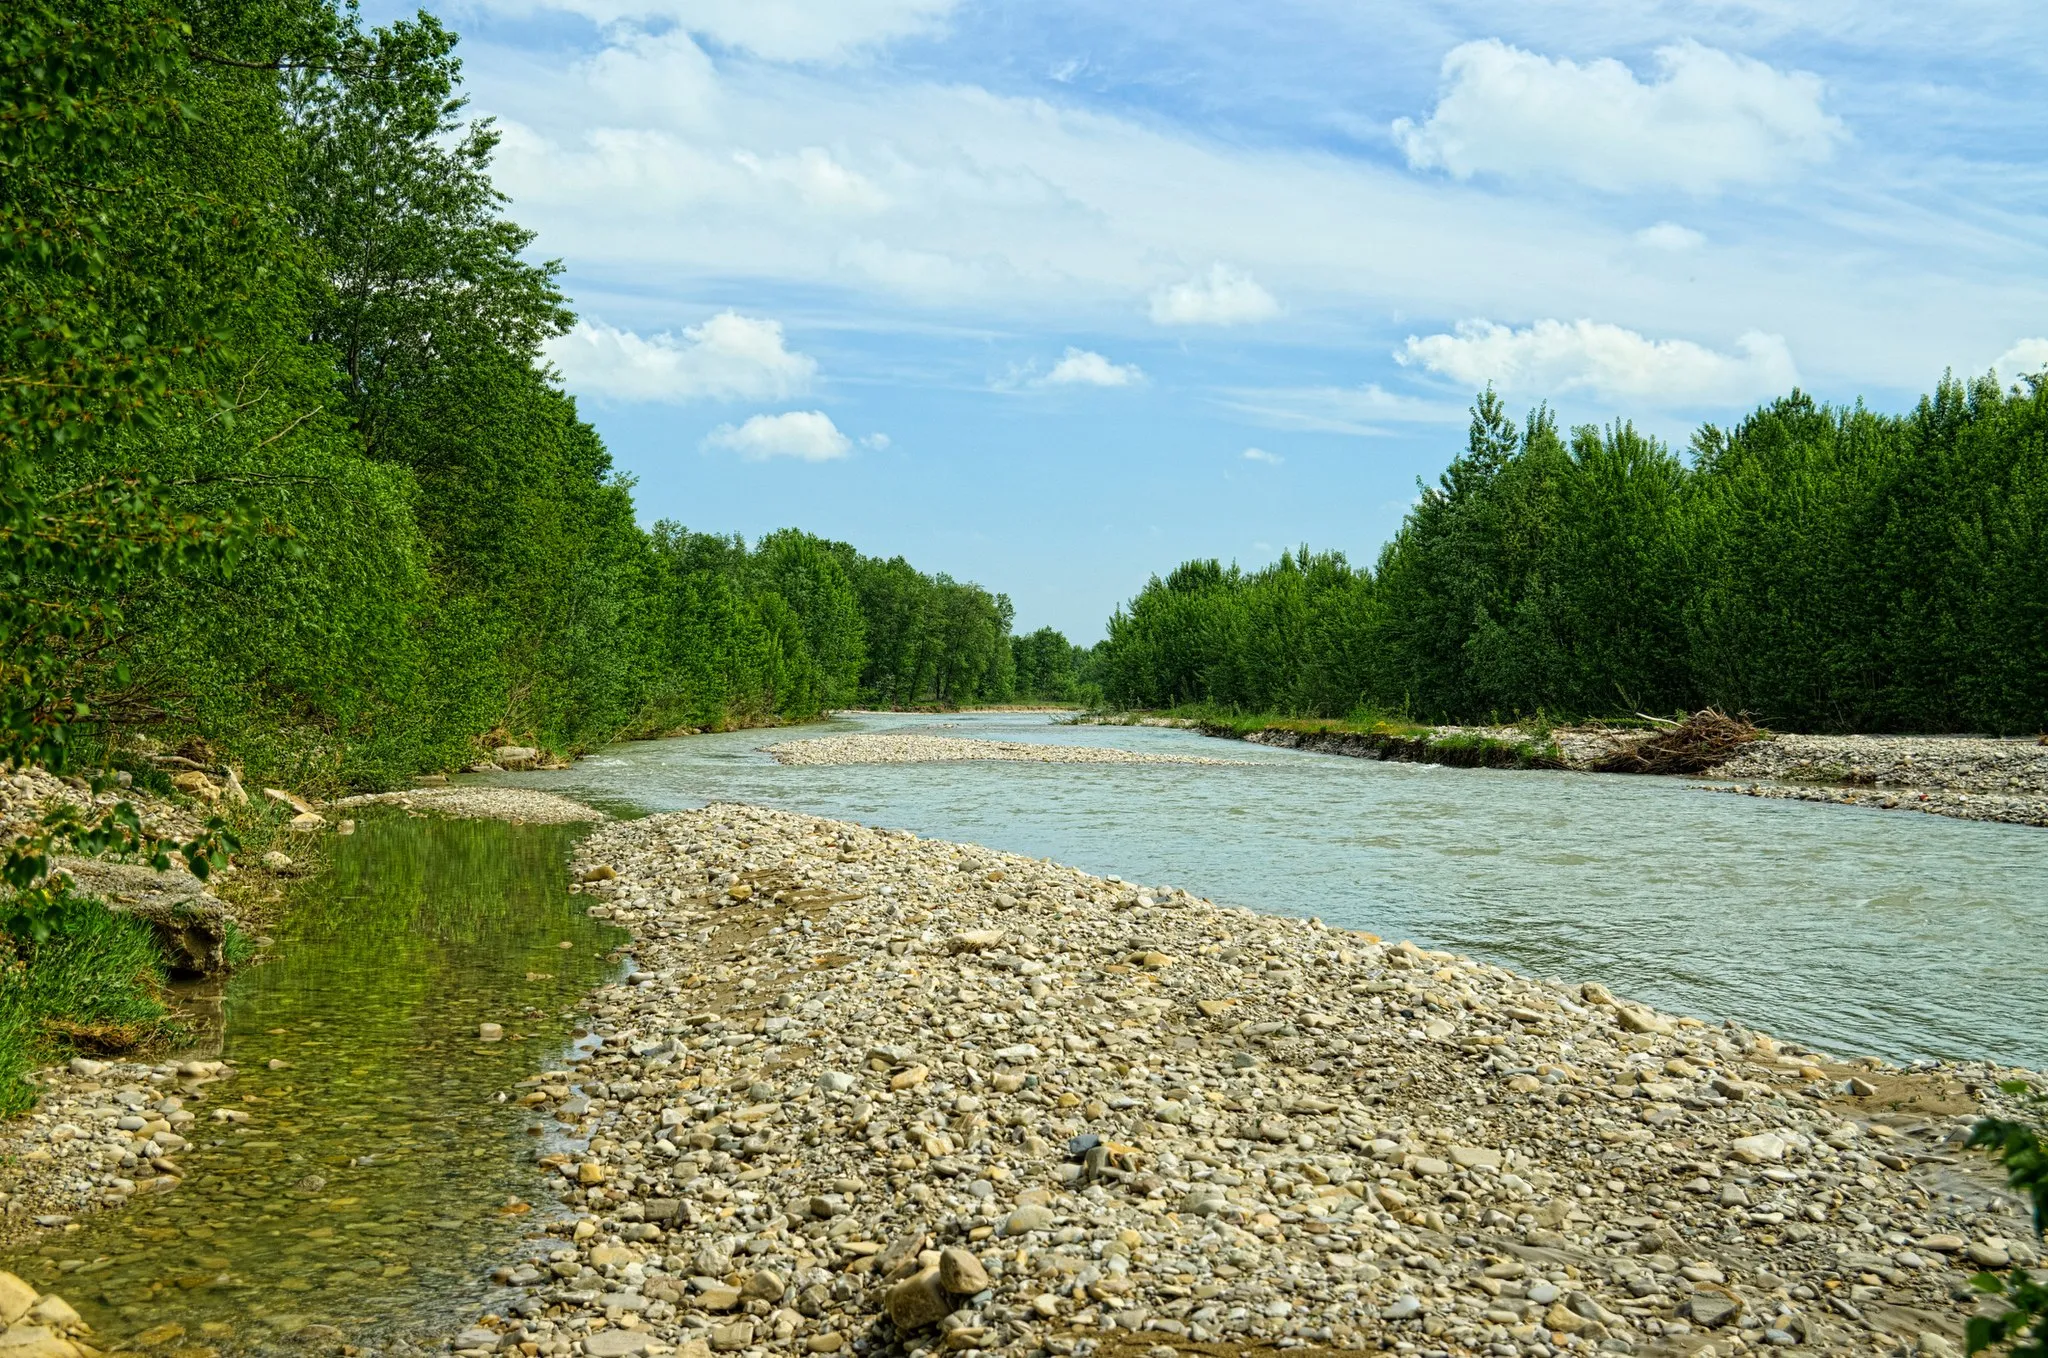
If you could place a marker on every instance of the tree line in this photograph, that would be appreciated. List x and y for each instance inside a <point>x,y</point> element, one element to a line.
<point>285,467</point>
<point>1821,568</point>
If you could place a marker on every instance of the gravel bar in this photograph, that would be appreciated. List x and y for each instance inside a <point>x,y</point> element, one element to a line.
<point>870,1092</point>
<point>520,805</point>
<point>889,748</point>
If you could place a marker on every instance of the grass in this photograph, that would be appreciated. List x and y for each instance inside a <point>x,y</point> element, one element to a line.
<point>95,986</point>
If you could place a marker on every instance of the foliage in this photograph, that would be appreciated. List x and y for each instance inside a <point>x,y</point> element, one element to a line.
<point>285,467</point>
<point>1051,669</point>
<point>1816,568</point>
<point>2024,1324</point>
<point>96,982</point>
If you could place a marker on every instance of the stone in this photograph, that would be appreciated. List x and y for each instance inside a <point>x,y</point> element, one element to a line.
<point>479,1338</point>
<point>490,1032</point>
<point>1215,1008</point>
<point>35,1341</point>
<point>1762,1148</point>
<point>1637,1019</point>
<point>16,1297</point>
<point>1473,1157</point>
<point>831,1341</point>
<point>730,1338</point>
<point>590,1173</point>
<point>1986,1255</point>
<point>1711,1309</point>
<point>900,1251</point>
<point>961,1272</point>
<point>1031,1217</point>
<point>766,1284</point>
<point>55,1312</point>
<point>1562,1319</point>
<point>908,1079</point>
<point>86,1068</point>
<point>614,1343</point>
<point>975,940</point>
<point>277,860</point>
<point>718,1297</point>
<point>917,1301</point>
<point>1403,1307</point>
<point>1944,1244</point>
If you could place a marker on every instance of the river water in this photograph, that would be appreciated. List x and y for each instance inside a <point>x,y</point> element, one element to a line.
<point>377,1180</point>
<point>1897,934</point>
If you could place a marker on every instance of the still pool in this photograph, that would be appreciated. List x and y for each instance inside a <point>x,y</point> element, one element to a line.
<point>378,1179</point>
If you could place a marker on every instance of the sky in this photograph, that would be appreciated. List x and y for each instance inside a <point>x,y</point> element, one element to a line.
<point>1055,296</point>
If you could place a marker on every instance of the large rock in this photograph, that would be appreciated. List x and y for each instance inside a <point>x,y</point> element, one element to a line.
<point>190,922</point>
<point>918,1301</point>
<point>34,1341</point>
<point>16,1297</point>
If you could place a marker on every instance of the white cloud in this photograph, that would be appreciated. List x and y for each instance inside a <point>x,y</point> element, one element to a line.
<point>877,441</point>
<point>1363,410</point>
<point>807,435</point>
<point>1261,455</point>
<point>1223,296</point>
<point>1711,119</point>
<point>780,30</point>
<point>1552,358</point>
<point>2026,357</point>
<point>1084,368</point>
<point>819,180</point>
<point>1670,236</point>
<point>729,356</point>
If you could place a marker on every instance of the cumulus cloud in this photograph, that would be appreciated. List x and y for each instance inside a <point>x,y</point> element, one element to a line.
<point>877,441</point>
<point>729,357</point>
<point>1261,455</point>
<point>826,31</point>
<point>2027,356</point>
<point>807,435</point>
<point>1085,368</point>
<point>1670,236</point>
<point>1708,120</point>
<point>1555,357</point>
<point>1222,296</point>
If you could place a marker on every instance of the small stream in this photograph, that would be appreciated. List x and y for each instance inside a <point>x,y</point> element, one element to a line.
<point>377,1180</point>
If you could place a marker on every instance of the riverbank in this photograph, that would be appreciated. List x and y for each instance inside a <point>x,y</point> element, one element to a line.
<point>875,1092</point>
<point>1968,777</point>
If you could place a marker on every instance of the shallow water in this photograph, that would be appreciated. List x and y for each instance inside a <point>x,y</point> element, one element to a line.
<point>1890,933</point>
<point>377,1179</point>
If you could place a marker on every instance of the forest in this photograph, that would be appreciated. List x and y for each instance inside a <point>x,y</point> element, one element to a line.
<point>1821,569</point>
<point>285,469</point>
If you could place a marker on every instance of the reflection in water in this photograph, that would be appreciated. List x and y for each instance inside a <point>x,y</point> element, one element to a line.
<point>376,1171</point>
<point>1892,933</point>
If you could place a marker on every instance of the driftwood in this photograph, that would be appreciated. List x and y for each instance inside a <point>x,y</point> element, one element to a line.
<point>1707,738</point>
<point>191,923</point>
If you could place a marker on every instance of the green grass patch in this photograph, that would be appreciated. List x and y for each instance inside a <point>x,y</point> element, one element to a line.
<point>95,987</point>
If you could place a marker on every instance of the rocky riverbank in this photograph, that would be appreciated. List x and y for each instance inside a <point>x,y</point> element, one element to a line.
<point>1968,777</point>
<point>875,1093</point>
<point>888,747</point>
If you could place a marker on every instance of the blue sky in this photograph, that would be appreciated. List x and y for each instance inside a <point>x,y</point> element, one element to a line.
<point>1055,296</point>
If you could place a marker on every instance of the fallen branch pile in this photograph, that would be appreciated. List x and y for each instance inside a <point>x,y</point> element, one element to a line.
<point>1707,738</point>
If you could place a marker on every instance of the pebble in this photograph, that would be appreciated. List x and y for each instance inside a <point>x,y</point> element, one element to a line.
<point>902,1096</point>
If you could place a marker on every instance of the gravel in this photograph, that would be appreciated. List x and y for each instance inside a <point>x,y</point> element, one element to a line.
<point>863,1090</point>
<point>520,805</point>
<point>892,748</point>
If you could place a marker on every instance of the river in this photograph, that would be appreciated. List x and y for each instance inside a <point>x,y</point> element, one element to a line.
<point>1895,934</point>
<point>378,1178</point>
